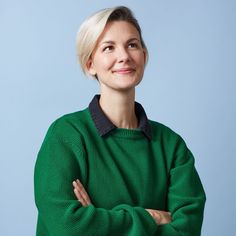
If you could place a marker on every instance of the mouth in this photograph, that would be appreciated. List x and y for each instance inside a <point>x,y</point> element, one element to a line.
<point>124,71</point>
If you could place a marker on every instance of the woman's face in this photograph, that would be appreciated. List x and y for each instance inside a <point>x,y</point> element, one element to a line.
<point>118,59</point>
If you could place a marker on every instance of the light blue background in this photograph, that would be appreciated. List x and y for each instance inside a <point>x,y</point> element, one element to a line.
<point>189,85</point>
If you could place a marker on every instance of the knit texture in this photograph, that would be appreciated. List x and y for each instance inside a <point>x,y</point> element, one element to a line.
<point>123,173</point>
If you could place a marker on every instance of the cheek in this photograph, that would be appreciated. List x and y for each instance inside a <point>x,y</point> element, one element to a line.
<point>141,65</point>
<point>140,59</point>
<point>104,62</point>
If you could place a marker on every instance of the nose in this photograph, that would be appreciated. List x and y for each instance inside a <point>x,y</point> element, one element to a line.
<point>123,55</point>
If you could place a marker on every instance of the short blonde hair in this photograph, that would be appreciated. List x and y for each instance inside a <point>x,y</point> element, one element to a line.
<point>92,28</point>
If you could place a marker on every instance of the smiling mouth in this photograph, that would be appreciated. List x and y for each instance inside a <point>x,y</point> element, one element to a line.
<point>124,71</point>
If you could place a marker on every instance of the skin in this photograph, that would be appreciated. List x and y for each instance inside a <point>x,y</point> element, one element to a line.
<point>118,61</point>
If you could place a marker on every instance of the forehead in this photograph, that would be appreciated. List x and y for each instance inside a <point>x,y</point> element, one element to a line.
<point>117,30</point>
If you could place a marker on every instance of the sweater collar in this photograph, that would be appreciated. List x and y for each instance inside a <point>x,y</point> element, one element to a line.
<point>105,126</point>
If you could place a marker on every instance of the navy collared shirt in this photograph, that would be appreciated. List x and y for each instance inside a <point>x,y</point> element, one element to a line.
<point>104,125</point>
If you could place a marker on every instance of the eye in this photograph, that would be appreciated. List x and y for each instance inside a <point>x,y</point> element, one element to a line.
<point>133,45</point>
<point>108,48</point>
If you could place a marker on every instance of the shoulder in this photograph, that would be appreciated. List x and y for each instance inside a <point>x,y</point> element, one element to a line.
<point>171,143</point>
<point>168,137</point>
<point>159,129</point>
<point>68,125</point>
<point>70,119</point>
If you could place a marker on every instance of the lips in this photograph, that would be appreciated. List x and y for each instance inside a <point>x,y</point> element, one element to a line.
<point>123,70</point>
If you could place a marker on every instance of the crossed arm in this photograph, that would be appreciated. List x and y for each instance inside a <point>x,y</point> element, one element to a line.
<point>160,217</point>
<point>185,197</point>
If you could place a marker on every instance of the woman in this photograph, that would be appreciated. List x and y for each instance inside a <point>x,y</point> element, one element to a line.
<point>108,169</point>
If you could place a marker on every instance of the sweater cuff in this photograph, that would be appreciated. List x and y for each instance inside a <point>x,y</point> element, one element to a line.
<point>142,218</point>
<point>167,229</point>
<point>147,219</point>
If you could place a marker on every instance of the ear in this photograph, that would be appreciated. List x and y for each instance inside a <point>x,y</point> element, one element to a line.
<point>145,55</point>
<point>90,67</point>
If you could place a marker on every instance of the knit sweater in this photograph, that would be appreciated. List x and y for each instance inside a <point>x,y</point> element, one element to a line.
<point>123,173</point>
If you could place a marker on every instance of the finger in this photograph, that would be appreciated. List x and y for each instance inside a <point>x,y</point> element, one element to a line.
<point>154,215</point>
<point>77,191</point>
<point>149,211</point>
<point>83,192</point>
<point>76,186</point>
<point>80,198</point>
<point>78,194</point>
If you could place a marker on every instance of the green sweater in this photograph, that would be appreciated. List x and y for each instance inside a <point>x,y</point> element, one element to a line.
<point>123,173</point>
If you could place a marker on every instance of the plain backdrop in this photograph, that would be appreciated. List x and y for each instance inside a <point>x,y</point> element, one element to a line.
<point>189,85</point>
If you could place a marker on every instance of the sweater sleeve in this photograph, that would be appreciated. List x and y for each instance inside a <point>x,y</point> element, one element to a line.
<point>186,197</point>
<point>59,162</point>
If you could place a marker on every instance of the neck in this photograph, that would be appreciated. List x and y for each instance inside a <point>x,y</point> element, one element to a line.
<point>119,107</point>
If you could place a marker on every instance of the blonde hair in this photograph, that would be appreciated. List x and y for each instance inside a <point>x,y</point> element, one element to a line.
<point>92,28</point>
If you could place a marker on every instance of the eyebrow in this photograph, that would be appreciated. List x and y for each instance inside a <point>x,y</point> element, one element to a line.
<point>112,42</point>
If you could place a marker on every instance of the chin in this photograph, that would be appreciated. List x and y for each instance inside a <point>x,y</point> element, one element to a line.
<point>127,86</point>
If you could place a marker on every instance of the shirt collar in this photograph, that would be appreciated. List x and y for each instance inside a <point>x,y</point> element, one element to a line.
<point>104,125</point>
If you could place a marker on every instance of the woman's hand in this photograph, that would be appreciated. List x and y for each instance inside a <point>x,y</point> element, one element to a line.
<point>161,217</point>
<point>81,193</point>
